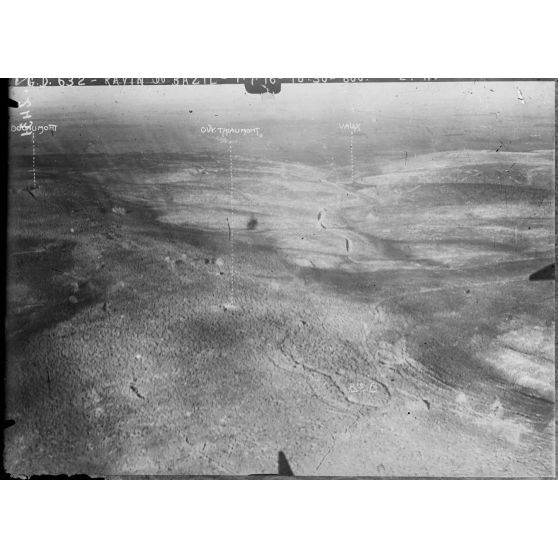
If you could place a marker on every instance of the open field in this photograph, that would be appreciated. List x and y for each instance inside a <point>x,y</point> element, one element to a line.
<point>192,304</point>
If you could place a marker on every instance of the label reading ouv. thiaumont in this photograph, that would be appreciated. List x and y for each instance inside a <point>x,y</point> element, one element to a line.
<point>230,130</point>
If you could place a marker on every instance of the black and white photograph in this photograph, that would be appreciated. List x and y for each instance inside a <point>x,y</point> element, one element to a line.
<point>278,316</point>
<point>236,277</point>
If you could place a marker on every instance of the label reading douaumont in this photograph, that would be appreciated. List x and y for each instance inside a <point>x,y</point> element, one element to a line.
<point>27,128</point>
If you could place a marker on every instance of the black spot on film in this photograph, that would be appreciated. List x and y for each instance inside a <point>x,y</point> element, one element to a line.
<point>252,224</point>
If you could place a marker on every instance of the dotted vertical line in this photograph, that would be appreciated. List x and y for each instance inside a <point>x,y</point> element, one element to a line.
<point>231,223</point>
<point>34,168</point>
<point>352,160</point>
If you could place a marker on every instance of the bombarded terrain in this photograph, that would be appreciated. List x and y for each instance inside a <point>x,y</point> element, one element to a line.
<point>182,303</point>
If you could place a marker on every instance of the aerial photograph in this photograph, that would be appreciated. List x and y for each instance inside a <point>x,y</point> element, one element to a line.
<point>329,279</point>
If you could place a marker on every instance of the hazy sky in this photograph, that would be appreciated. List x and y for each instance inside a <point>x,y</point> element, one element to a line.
<point>169,118</point>
<point>304,100</point>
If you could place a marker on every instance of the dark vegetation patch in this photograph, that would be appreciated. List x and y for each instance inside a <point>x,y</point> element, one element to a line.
<point>45,268</point>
